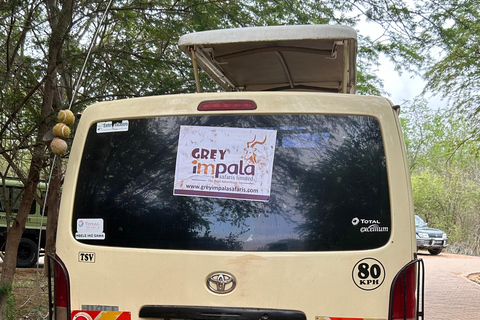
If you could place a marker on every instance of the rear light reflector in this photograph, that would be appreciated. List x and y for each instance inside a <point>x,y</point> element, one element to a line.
<point>406,293</point>
<point>61,299</point>
<point>59,291</point>
<point>222,105</point>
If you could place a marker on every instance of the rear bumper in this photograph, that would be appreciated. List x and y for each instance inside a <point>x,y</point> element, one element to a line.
<point>438,243</point>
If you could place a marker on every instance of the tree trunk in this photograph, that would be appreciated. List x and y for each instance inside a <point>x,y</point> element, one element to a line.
<point>15,232</point>
<point>60,23</point>
<point>53,202</point>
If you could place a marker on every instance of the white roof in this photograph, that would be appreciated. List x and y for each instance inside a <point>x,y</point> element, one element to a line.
<point>300,57</point>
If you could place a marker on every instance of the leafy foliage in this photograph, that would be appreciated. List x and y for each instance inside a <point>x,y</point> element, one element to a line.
<point>9,309</point>
<point>454,35</point>
<point>134,55</point>
<point>438,40</point>
<point>443,152</point>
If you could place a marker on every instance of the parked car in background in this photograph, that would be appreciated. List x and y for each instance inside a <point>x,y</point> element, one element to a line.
<point>431,239</point>
<point>28,252</point>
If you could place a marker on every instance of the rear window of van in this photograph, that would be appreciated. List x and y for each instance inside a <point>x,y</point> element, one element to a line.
<point>234,183</point>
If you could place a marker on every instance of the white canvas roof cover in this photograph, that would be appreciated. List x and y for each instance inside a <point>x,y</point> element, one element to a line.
<point>300,57</point>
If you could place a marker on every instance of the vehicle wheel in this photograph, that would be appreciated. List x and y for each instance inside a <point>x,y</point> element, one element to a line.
<point>27,253</point>
<point>434,251</point>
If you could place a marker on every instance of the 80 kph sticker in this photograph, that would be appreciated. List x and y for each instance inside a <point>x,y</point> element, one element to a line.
<point>368,274</point>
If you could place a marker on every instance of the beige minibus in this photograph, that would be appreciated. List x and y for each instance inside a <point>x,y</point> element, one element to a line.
<point>286,197</point>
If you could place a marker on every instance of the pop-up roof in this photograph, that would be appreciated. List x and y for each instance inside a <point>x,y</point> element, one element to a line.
<point>301,57</point>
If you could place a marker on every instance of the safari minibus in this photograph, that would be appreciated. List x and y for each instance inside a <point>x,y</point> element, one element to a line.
<point>33,237</point>
<point>286,197</point>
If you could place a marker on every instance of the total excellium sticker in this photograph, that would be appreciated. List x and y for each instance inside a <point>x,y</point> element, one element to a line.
<point>90,229</point>
<point>369,225</point>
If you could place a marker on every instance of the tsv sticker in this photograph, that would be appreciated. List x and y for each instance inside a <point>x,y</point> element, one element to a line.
<point>88,257</point>
<point>368,274</point>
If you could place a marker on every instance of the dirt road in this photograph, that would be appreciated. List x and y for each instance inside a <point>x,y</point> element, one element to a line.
<point>449,294</point>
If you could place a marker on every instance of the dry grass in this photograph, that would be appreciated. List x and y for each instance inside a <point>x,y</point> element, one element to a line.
<point>31,294</point>
<point>475,277</point>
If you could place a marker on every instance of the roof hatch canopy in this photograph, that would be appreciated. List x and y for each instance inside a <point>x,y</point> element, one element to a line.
<point>300,57</point>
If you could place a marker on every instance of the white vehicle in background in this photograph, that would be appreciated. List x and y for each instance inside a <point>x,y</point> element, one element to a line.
<point>286,197</point>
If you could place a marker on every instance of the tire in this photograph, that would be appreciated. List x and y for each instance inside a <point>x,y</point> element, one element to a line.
<point>27,255</point>
<point>434,251</point>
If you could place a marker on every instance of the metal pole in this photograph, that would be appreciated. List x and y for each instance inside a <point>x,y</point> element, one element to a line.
<point>345,66</point>
<point>195,70</point>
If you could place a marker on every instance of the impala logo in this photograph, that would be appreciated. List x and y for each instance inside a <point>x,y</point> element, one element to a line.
<point>251,151</point>
<point>221,282</point>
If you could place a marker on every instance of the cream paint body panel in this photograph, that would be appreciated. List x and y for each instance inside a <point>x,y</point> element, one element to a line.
<point>316,283</point>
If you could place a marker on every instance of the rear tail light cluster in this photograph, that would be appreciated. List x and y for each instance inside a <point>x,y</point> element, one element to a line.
<point>59,290</point>
<point>406,292</point>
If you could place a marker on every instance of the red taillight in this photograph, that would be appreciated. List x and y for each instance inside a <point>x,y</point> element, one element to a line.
<point>221,105</point>
<point>61,297</point>
<point>59,292</point>
<point>404,293</point>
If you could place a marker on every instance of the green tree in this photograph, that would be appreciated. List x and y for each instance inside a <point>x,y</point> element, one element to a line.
<point>452,31</point>
<point>444,162</point>
<point>437,40</point>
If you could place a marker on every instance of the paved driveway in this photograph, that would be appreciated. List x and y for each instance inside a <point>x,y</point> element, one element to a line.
<point>449,294</point>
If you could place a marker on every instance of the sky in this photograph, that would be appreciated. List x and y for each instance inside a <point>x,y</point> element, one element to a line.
<point>401,87</point>
<point>406,86</point>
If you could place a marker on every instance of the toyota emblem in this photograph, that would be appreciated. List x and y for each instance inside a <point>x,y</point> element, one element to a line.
<point>221,282</point>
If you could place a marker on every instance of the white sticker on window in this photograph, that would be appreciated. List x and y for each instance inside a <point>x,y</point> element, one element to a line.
<point>217,162</point>
<point>90,229</point>
<point>112,126</point>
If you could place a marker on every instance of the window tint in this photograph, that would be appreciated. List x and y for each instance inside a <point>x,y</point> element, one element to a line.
<point>329,188</point>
